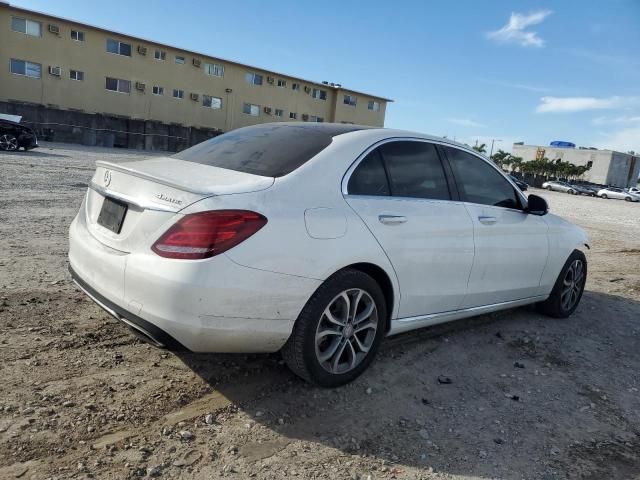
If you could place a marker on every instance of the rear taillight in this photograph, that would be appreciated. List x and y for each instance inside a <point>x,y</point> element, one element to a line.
<point>205,234</point>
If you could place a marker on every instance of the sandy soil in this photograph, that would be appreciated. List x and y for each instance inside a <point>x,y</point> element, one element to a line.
<point>530,398</point>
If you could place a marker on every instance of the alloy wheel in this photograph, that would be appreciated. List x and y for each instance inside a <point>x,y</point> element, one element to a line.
<point>8,142</point>
<point>346,331</point>
<point>572,285</point>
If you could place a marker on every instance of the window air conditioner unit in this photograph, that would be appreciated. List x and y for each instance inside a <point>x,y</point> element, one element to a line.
<point>196,62</point>
<point>54,29</point>
<point>194,96</point>
<point>142,50</point>
<point>305,117</point>
<point>307,89</point>
<point>267,110</point>
<point>140,86</point>
<point>57,71</point>
<point>270,79</point>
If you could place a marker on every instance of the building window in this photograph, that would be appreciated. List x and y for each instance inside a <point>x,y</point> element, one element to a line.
<point>279,112</point>
<point>313,118</point>
<point>76,75</point>
<point>350,100</point>
<point>251,109</point>
<point>293,115</point>
<point>214,69</point>
<point>375,106</point>
<point>179,60</point>
<point>295,86</point>
<point>77,36</point>
<point>156,90</point>
<point>118,85</point>
<point>160,55</point>
<point>28,69</point>
<point>253,78</point>
<point>177,93</point>
<point>28,27</point>
<point>282,83</point>
<point>319,94</point>
<point>211,102</point>
<point>119,48</point>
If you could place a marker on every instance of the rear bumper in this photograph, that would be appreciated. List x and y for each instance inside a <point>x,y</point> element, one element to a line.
<point>141,328</point>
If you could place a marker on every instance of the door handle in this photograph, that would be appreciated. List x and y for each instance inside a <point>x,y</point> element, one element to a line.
<point>487,220</point>
<point>392,219</point>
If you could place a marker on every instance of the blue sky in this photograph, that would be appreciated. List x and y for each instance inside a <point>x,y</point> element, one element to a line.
<point>531,71</point>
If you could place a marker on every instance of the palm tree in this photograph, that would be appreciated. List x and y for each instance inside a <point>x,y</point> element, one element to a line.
<point>482,148</point>
<point>501,158</point>
<point>516,163</point>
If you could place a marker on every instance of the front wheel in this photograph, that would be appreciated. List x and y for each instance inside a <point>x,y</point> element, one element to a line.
<point>604,195</point>
<point>571,192</point>
<point>8,142</point>
<point>627,199</point>
<point>339,330</point>
<point>568,289</point>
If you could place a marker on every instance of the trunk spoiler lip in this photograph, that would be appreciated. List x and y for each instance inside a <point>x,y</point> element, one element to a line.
<point>162,180</point>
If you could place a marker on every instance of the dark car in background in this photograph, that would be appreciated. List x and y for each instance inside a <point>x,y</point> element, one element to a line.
<point>584,190</point>
<point>14,136</point>
<point>520,184</point>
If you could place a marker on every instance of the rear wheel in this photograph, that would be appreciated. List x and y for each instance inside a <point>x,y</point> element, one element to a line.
<point>627,199</point>
<point>571,192</point>
<point>568,289</point>
<point>338,332</point>
<point>8,142</point>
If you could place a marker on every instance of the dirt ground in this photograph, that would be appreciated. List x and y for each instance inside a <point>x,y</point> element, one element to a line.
<point>531,397</point>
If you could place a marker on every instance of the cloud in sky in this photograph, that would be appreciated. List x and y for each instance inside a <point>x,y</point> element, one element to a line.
<point>466,122</point>
<point>515,29</point>
<point>519,86</point>
<point>578,104</point>
<point>623,140</point>
<point>625,119</point>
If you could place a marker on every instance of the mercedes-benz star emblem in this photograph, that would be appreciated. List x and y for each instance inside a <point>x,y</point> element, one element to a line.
<point>107,178</point>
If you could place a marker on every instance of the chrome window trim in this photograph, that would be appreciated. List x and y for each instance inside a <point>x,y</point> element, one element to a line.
<point>347,176</point>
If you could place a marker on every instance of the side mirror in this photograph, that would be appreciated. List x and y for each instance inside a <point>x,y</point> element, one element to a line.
<point>537,205</point>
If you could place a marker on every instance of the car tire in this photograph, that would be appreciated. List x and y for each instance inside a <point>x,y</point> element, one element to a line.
<point>571,192</point>
<point>327,324</point>
<point>627,199</point>
<point>8,142</point>
<point>568,289</point>
<point>604,195</point>
<point>548,188</point>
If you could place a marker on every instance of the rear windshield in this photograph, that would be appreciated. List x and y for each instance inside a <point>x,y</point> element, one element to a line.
<point>270,150</point>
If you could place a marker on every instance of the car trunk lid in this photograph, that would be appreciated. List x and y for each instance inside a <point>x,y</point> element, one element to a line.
<point>151,194</point>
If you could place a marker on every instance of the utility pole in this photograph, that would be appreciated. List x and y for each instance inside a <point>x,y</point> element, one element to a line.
<point>492,142</point>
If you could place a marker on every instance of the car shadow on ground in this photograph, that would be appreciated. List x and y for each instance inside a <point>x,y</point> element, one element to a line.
<point>507,394</point>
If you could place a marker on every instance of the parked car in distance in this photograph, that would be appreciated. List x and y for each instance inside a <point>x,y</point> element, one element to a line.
<point>13,136</point>
<point>559,186</point>
<point>519,183</point>
<point>618,194</point>
<point>583,190</point>
<point>634,190</point>
<point>317,240</point>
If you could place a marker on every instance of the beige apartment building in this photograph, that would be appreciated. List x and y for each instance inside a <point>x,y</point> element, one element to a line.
<point>59,64</point>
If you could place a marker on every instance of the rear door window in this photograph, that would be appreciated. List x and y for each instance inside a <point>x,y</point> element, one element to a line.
<point>479,182</point>
<point>415,170</point>
<point>369,177</point>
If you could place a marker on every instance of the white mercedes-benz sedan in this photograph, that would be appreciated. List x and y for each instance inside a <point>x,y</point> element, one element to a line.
<point>317,240</point>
